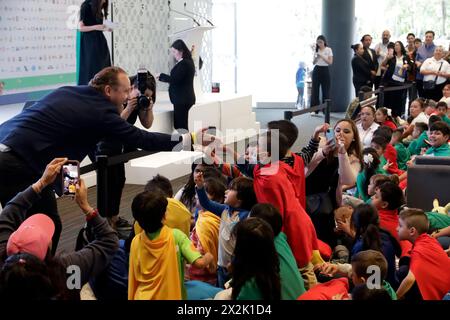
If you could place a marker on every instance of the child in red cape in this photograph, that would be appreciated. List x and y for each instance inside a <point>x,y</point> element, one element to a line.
<point>388,198</point>
<point>429,263</point>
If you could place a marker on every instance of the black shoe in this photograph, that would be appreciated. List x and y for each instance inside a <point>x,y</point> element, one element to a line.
<point>123,224</point>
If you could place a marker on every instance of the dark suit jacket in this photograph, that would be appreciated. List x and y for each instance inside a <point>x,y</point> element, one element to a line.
<point>181,83</point>
<point>69,122</point>
<point>361,70</point>
<point>373,62</point>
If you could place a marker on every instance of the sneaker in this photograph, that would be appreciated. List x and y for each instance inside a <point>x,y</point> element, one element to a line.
<point>123,224</point>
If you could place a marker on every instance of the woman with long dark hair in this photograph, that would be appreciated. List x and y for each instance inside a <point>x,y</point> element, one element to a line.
<point>397,64</point>
<point>181,84</point>
<point>361,69</point>
<point>94,52</point>
<point>255,266</point>
<point>331,169</point>
<point>323,58</point>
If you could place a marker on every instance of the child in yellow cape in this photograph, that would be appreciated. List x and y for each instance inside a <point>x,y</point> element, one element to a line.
<point>157,255</point>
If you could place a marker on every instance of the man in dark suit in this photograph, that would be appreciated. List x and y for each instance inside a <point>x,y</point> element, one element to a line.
<point>370,55</point>
<point>68,123</point>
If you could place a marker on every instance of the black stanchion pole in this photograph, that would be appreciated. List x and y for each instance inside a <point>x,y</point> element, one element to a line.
<point>288,115</point>
<point>381,97</point>
<point>102,181</point>
<point>327,110</point>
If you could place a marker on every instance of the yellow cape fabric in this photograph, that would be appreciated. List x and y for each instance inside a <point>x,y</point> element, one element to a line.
<point>207,227</point>
<point>177,217</point>
<point>153,272</point>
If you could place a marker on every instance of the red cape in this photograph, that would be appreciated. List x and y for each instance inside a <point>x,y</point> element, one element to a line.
<point>389,222</point>
<point>273,186</point>
<point>389,124</point>
<point>391,155</point>
<point>296,176</point>
<point>327,290</point>
<point>431,268</point>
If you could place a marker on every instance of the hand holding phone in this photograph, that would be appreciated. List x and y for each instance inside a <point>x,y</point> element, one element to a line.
<point>70,173</point>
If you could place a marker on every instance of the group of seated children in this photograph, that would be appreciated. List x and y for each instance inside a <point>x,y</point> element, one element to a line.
<point>243,231</point>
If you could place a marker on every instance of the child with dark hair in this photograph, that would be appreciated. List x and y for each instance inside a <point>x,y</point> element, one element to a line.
<point>292,284</point>
<point>363,293</point>
<point>363,270</point>
<point>371,166</point>
<point>438,137</point>
<point>369,235</point>
<point>442,112</point>
<point>158,253</point>
<point>403,154</point>
<point>255,265</point>
<point>177,215</point>
<point>390,153</point>
<point>429,263</point>
<point>187,194</point>
<point>205,234</point>
<point>419,135</point>
<point>239,199</point>
<point>364,266</point>
<point>383,118</point>
<point>388,199</point>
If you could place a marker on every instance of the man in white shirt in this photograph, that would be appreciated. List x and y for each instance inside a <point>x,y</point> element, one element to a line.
<point>381,49</point>
<point>435,70</point>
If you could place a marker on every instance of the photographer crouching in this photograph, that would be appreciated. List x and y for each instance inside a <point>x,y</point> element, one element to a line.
<point>139,104</point>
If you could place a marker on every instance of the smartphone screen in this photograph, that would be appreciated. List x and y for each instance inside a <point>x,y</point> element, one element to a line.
<point>330,135</point>
<point>70,173</point>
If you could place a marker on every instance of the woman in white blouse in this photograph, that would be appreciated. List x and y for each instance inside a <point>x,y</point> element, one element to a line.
<point>437,70</point>
<point>367,126</point>
<point>323,57</point>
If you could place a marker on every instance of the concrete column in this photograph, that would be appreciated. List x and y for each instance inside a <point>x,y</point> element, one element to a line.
<point>338,23</point>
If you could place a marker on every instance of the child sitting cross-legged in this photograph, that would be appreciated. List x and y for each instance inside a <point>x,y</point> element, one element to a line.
<point>158,253</point>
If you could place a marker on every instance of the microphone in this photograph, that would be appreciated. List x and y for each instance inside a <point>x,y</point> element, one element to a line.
<point>195,14</point>
<point>184,14</point>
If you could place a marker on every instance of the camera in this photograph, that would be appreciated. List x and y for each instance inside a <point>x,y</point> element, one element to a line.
<point>143,102</point>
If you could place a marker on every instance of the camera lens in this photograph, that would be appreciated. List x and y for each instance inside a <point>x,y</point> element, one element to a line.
<point>143,102</point>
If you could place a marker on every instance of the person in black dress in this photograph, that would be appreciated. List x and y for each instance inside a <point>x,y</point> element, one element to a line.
<point>181,86</point>
<point>362,75</point>
<point>94,52</point>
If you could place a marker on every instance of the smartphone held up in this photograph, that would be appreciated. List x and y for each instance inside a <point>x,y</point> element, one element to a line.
<point>70,173</point>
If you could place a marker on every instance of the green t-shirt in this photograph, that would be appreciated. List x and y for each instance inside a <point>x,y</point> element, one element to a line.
<point>446,119</point>
<point>415,147</point>
<point>438,220</point>
<point>361,191</point>
<point>185,252</point>
<point>403,156</point>
<point>250,291</point>
<point>292,285</point>
<point>442,151</point>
